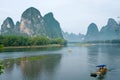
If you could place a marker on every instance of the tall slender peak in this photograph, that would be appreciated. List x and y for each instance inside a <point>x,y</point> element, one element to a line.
<point>17,26</point>
<point>92,28</point>
<point>7,26</point>
<point>8,22</point>
<point>50,14</point>
<point>31,12</point>
<point>54,25</point>
<point>32,22</point>
<point>92,32</point>
<point>17,23</point>
<point>9,19</point>
<point>111,22</point>
<point>49,17</point>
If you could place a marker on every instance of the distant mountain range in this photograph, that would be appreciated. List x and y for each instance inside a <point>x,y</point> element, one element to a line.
<point>109,32</point>
<point>33,24</point>
<point>72,37</point>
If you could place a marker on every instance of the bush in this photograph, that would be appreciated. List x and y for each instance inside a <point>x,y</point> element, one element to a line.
<point>1,67</point>
<point>1,46</point>
<point>29,41</point>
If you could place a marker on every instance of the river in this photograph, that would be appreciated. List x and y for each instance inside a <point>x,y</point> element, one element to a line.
<point>73,62</point>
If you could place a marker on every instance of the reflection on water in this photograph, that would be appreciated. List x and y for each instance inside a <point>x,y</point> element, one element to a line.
<point>105,54</point>
<point>93,54</point>
<point>68,63</point>
<point>31,69</point>
<point>23,52</point>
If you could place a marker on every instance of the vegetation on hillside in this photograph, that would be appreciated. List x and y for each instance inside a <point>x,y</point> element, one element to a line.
<point>1,46</point>
<point>117,41</point>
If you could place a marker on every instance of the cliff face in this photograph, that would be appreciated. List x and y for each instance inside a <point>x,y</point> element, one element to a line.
<point>52,26</point>
<point>33,24</point>
<point>7,27</point>
<point>17,28</point>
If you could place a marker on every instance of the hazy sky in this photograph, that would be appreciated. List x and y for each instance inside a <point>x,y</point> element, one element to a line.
<point>73,15</point>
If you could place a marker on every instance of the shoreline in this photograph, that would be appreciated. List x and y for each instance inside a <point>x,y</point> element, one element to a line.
<point>40,46</point>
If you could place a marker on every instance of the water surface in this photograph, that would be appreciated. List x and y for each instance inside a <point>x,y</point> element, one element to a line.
<point>64,63</point>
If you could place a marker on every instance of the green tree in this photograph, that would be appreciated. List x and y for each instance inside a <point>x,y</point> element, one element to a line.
<point>29,41</point>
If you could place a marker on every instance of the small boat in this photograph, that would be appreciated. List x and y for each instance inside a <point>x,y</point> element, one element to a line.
<point>101,72</point>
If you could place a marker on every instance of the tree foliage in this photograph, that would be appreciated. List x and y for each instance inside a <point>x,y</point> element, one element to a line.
<point>1,67</point>
<point>29,41</point>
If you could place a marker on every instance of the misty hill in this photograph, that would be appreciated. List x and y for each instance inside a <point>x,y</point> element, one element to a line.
<point>72,37</point>
<point>92,32</point>
<point>32,23</point>
<point>109,32</point>
<point>52,26</point>
<point>8,26</point>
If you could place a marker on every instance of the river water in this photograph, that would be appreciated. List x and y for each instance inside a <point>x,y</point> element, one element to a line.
<point>73,62</point>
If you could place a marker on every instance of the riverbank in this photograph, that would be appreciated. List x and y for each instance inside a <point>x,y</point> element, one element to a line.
<point>41,46</point>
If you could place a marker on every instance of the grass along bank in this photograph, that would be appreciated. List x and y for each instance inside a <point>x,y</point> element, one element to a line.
<point>38,46</point>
